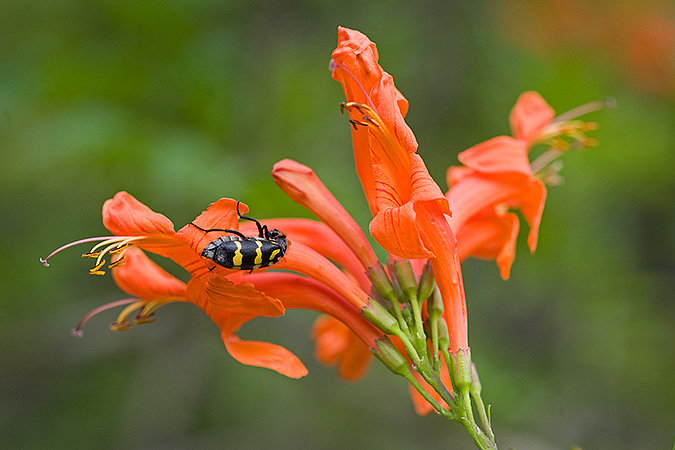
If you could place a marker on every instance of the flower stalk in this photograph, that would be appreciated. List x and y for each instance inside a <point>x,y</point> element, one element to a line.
<point>424,347</point>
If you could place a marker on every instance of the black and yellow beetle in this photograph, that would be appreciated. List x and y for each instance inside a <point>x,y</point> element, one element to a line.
<point>241,252</point>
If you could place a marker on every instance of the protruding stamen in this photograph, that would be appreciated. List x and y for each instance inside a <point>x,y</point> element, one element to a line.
<point>148,310</point>
<point>389,142</point>
<point>117,263</point>
<point>77,331</point>
<point>120,326</point>
<point>113,245</point>
<point>566,131</point>
<point>355,124</point>
<point>334,65</point>
<point>586,108</point>
<point>96,269</point>
<point>72,244</point>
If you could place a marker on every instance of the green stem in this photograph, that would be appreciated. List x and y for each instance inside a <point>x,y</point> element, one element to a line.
<point>399,316</point>
<point>434,344</point>
<point>410,349</point>
<point>421,337</point>
<point>418,387</point>
<point>463,412</point>
<point>484,416</point>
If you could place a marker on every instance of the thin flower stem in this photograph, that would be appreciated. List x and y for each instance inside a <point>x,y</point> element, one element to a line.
<point>410,349</point>
<point>468,410</point>
<point>421,337</point>
<point>464,414</point>
<point>399,316</point>
<point>446,356</point>
<point>434,344</point>
<point>484,416</point>
<point>418,387</point>
<point>439,387</point>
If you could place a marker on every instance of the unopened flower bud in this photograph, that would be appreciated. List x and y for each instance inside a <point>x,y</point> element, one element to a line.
<point>475,381</point>
<point>406,278</point>
<point>386,352</point>
<point>378,276</point>
<point>443,335</point>
<point>427,283</point>
<point>435,304</point>
<point>462,376</point>
<point>376,314</point>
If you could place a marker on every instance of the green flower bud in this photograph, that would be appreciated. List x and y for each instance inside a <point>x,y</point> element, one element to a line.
<point>406,278</point>
<point>376,314</point>
<point>427,283</point>
<point>378,276</point>
<point>461,370</point>
<point>385,351</point>
<point>435,304</point>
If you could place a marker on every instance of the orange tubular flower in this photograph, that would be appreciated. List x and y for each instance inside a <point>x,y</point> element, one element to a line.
<point>409,209</point>
<point>497,177</point>
<point>229,297</point>
<point>336,345</point>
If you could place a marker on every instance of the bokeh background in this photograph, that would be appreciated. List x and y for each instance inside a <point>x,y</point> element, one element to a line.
<point>181,102</point>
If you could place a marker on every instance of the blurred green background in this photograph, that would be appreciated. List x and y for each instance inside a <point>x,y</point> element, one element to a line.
<point>181,102</point>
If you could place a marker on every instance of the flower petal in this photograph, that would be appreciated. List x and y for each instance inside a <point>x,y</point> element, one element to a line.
<point>336,344</point>
<point>383,139</point>
<point>530,114</point>
<point>498,155</point>
<point>221,214</point>
<point>490,236</point>
<point>394,230</point>
<point>370,84</point>
<point>476,192</point>
<point>123,215</point>
<point>219,308</point>
<point>225,295</point>
<point>302,185</point>
<point>317,236</point>
<point>296,291</point>
<point>302,259</point>
<point>531,202</point>
<point>437,235</point>
<point>264,354</point>
<point>142,278</point>
<point>394,226</point>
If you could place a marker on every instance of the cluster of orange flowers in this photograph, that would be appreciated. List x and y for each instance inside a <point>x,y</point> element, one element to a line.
<point>329,265</point>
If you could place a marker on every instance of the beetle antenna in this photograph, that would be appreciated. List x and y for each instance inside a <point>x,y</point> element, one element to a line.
<point>225,230</point>
<point>260,227</point>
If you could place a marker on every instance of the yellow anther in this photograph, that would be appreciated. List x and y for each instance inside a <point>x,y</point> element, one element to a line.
<point>96,269</point>
<point>120,326</point>
<point>140,319</point>
<point>117,263</point>
<point>123,247</point>
<point>559,143</point>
